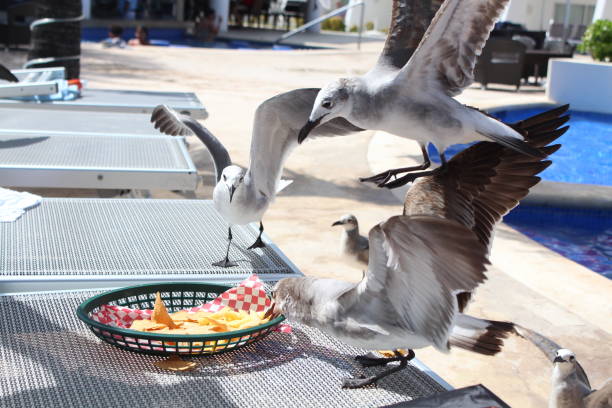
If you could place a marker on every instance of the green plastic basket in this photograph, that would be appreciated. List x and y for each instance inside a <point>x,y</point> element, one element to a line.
<point>176,296</point>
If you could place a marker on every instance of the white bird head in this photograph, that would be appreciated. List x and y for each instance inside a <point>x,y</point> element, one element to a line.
<point>232,176</point>
<point>332,101</point>
<point>565,360</point>
<point>348,221</point>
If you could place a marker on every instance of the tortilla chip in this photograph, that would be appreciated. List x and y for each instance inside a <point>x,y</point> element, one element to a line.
<point>160,313</point>
<point>175,363</point>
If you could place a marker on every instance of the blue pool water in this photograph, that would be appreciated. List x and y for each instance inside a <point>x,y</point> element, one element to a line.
<point>585,236</point>
<point>175,37</point>
<point>586,155</point>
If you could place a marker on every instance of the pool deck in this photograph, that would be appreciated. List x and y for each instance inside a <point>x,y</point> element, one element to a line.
<point>528,283</point>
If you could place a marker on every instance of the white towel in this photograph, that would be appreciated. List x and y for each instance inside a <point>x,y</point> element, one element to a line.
<point>14,203</point>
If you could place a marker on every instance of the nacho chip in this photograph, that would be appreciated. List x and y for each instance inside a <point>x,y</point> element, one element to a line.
<point>160,313</point>
<point>175,363</point>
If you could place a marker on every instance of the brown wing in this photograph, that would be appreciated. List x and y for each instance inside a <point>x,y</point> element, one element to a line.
<point>485,181</point>
<point>446,57</point>
<point>409,21</point>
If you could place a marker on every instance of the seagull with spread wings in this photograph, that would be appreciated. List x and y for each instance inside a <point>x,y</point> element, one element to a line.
<point>242,196</point>
<point>414,99</point>
<point>425,264</point>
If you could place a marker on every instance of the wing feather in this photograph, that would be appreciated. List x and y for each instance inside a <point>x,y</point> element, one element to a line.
<point>276,126</point>
<point>422,263</point>
<point>409,22</point>
<point>446,56</point>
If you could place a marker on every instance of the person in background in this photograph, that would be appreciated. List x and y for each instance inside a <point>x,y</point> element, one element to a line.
<point>207,25</point>
<point>114,37</point>
<point>141,36</point>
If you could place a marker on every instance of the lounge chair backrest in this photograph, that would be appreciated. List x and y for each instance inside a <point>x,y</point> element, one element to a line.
<point>501,62</point>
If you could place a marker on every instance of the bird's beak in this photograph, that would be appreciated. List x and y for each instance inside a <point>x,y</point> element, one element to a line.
<point>337,223</point>
<point>232,190</point>
<point>558,360</point>
<point>308,128</point>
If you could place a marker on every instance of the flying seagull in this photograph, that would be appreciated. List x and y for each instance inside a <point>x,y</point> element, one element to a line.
<point>7,75</point>
<point>407,298</point>
<point>420,263</point>
<point>415,99</point>
<point>570,384</point>
<point>243,196</point>
<point>353,246</point>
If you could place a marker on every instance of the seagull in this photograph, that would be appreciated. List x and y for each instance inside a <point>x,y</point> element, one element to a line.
<point>414,99</point>
<point>242,196</point>
<point>425,264</point>
<point>570,384</point>
<point>353,246</point>
<point>7,75</point>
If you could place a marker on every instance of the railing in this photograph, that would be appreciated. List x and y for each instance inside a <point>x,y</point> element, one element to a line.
<point>324,17</point>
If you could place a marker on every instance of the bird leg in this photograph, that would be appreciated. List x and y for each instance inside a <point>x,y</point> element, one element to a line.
<point>385,176</point>
<point>410,177</point>
<point>372,361</point>
<point>226,263</point>
<point>258,242</point>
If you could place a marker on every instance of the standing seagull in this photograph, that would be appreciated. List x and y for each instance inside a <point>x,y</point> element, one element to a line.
<point>243,196</point>
<point>570,384</point>
<point>415,100</point>
<point>421,263</point>
<point>353,246</point>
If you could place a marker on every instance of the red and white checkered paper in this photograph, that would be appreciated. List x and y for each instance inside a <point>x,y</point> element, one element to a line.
<point>248,295</point>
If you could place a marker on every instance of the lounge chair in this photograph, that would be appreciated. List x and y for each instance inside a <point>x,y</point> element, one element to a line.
<point>85,243</point>
<point>117,100</point>
<point>501,62</point>
<point>95,161</point>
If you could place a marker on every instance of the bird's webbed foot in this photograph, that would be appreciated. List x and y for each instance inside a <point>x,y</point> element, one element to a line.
<point>370,360</point>
<point>258,243</point>
<point>225,263</point>
<point>382,178</point>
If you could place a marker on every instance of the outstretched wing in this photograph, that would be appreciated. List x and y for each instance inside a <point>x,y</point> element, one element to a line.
<point>446,56</point>
<point>485,181</point>
<point>409,21</point>
<point>276,126</point>
<point>172,123</point>
<point>420,264</point>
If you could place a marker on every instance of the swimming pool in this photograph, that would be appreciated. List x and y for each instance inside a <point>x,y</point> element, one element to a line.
<point>582,235</point>
<point>176,37</point>
<point>586,156</point>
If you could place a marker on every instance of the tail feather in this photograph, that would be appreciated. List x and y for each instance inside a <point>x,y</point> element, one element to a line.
<point>541,117</point>
<point>479,335</point>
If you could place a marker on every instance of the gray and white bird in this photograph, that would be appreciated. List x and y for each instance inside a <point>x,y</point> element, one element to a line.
<point>414,99</point>
<point>242,196</point>
<point>353,246</point>
<point>570,384</point>
<point>425,265</point>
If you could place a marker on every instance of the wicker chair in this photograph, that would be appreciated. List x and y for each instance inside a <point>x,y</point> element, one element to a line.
<point>501,62</point>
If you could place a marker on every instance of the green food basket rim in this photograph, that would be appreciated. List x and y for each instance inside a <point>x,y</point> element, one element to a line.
<point>84,308</point>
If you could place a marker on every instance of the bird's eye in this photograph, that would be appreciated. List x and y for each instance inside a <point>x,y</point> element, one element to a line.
<point>327,104</point>
<point>224,177</point>
<point>572,358</point>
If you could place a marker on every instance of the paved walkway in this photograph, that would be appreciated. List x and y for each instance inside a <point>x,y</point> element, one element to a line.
<point>528,284</point>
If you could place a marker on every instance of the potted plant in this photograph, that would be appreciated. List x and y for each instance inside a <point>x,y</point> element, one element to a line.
<point>597,40</point>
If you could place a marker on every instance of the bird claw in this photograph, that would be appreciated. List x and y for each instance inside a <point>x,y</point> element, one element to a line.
<point>225,263</point>
<point>360,382</point>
